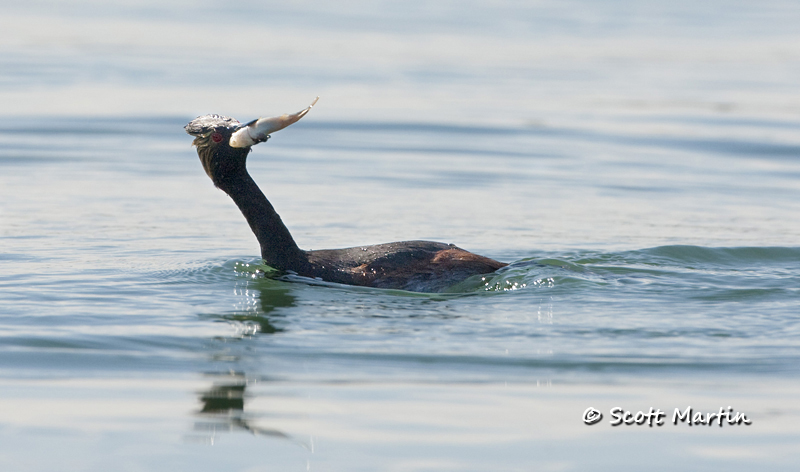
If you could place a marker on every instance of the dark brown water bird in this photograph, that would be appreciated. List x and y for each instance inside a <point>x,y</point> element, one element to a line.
<point>420,266</point>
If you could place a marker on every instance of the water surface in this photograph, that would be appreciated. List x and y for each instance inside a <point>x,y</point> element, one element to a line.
<point>638,167</point>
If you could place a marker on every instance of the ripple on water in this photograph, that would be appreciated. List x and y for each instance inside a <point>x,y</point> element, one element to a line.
<point>733,272</point>
<point>211,272</point>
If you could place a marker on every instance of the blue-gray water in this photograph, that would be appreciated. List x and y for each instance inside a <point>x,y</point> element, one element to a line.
<point>638,164</point>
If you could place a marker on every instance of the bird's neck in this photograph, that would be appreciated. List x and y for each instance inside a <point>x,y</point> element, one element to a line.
<point>278,248</point>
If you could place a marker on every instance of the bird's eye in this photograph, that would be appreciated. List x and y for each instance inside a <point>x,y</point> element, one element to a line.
<point>216,137</point>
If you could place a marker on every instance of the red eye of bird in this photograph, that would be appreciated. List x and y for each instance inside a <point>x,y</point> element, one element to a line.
<point>216,137</point>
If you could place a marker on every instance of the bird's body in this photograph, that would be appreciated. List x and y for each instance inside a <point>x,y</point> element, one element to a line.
<point>417,266</point>
<point>420,266</point>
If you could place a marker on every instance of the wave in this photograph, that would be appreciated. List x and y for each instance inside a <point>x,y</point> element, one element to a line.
<point>700,272</point>
<point>710,273</point>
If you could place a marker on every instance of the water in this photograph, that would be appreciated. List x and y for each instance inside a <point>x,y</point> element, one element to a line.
<point>637,164</point>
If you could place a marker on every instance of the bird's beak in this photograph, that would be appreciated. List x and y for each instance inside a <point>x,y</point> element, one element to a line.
<point>257,131</point>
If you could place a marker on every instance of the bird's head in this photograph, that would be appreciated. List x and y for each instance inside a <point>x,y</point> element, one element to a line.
<point>223,143</point>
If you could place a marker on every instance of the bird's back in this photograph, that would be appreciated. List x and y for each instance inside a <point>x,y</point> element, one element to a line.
<point>418,266</point>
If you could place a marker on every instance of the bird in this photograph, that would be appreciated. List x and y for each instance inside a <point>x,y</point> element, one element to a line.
<point>223,144</point>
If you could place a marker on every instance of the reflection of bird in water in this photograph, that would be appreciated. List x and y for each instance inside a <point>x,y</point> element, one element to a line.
<point>224,403</point>
<point>423,266</point>
<point>257,313</point>
<point>224,398</point>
